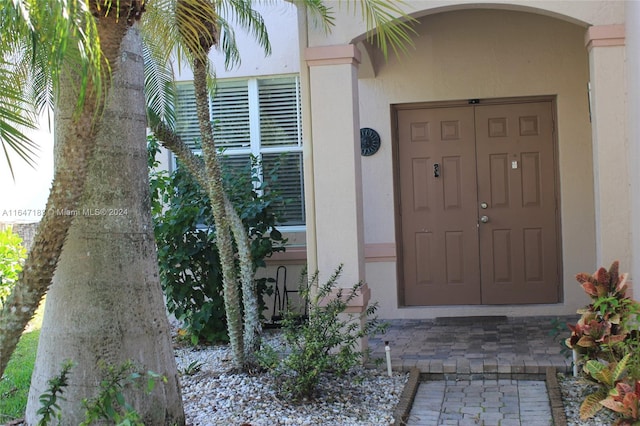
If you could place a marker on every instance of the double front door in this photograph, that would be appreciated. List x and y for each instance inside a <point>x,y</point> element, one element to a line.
<point>478,204</point>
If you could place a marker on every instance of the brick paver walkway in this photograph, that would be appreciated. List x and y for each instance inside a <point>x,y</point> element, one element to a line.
<point>478,371</point>
<point>504,402</point>
<point>483,347</point>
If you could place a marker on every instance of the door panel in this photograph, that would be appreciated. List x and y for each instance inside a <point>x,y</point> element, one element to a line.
<point>438,199</point>
<point>452,160</point>
<point>516,177</point>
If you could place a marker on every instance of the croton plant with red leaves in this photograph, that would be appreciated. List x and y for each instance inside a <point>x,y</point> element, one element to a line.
<point>606,320</point>
<point>606,338</point>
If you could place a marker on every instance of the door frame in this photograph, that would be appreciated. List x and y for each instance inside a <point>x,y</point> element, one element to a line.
<point>395,142</point>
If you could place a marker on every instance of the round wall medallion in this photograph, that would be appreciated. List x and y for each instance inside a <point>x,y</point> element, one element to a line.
<point>369,141</point>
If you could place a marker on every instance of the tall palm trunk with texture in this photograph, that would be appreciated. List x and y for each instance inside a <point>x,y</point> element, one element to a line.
<point>215,191</point>
<point>105,303</point>
<point>74,152</point>
<point>252,326</point>
<point>200,17</point>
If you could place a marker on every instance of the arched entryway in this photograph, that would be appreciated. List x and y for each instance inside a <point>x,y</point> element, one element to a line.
<point>480,56</point>
<point>464,52</point>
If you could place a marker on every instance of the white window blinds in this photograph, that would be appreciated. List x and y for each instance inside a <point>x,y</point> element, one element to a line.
<point>230,114</point>
<point>279,112</point>
<point>187,116</point>
<point>259,117</point>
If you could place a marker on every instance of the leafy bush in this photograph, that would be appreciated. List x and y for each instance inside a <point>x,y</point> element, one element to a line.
<point>326,342</point>
<point>109,404</point>
<point>613,392</point>
<point>49,408</point>
<point>606,325</point>
<point>606,338</point>
<point>12,256</point>
<point>190,271</point>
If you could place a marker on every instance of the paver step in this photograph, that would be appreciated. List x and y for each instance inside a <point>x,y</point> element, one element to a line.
<point>489,402</point>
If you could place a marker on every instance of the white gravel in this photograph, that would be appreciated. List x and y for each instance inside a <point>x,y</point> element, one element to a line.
<point>574,390</point>
<point>215,396</point>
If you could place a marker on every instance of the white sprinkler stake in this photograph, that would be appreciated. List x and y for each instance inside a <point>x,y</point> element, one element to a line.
<point>387,350</point>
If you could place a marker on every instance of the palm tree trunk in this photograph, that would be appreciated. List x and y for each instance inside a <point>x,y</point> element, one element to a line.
<point>215,189</point>
<point>252,325</point>
<point>72,159</point>
<point>174,143</point>
<point>66,191</point>
<point>105,303</point>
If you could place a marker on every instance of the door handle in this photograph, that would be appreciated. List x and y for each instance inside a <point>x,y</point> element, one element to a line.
<point>484,219</point>
<point>436,170</point>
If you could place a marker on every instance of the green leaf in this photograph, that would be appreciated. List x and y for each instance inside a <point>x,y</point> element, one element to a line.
<point>598,371</point>
<point>120,398</point>
<point>591,404</point>
<point>613,405</point>
<point>620,368</point>
<point>151,384</point>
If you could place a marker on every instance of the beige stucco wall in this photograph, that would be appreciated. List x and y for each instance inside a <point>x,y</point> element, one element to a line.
<point>486,54</point>
<point>349,27</point>
<point>633,73</point>
<point>612,192</point>
<point>281,21</point>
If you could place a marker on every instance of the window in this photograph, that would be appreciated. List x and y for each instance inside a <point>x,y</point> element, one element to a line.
<point>259,117</point>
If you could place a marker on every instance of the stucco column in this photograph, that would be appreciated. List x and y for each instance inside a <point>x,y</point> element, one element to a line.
<point>610,148</point>
<point>633,88</point>
<point>333,84</point>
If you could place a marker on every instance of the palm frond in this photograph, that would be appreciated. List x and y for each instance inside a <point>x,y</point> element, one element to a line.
<point>387,24</point>
<point>70,38</point>
<point>243,13</point>
<point>196,22</point>
<point>160,33</point>
<point>16,116</point>
<point>159,84</point>
<point>321,14</point>
<point>37,41</point>
<point>228,44</point>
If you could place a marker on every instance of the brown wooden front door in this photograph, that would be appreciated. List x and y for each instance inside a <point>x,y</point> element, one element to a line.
<point>478,204</point>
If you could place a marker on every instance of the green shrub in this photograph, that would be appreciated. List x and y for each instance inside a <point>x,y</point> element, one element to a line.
<point>606,326</point>
<point>606,339</point>
<point>190,271</point>
<point>109,404</point>
<point>12,256</point>
<point>328,341</point>
<point>49,408</point>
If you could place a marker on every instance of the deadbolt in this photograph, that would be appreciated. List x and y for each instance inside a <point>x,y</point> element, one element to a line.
<point>484,205</point>
<point>484,219</point>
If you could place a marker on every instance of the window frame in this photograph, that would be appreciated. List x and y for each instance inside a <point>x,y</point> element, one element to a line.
<point>255,147</point>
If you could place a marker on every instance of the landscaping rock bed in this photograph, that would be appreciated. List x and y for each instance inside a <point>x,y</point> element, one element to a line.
<point>213,395</point>
<point>574,390</point>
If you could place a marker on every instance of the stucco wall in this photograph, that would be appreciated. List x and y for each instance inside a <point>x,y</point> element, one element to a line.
<point>349,27</point>
<point>486,54</point>
<point>281,21</point>
<point>633,70</point>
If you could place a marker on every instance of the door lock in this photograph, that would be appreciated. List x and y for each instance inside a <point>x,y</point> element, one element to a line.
<point>436,170</point>
<point>484,205</point>
<point>484,219</point>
